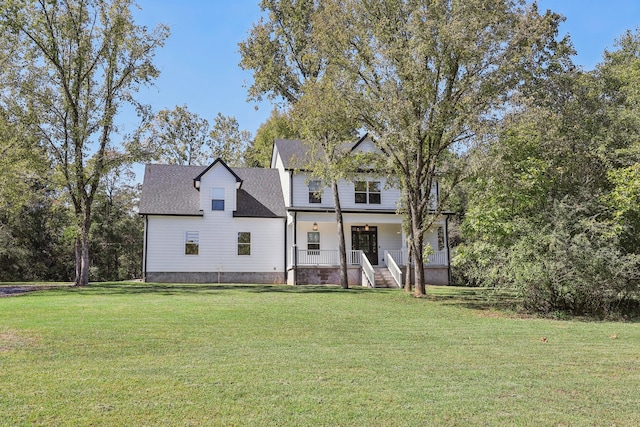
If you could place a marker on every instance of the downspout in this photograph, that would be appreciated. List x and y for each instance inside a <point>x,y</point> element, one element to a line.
<point>290,188</point>
<point>295,248</point>
<point>446,233</point>
<point>144,248</point>
<point>285,250</point>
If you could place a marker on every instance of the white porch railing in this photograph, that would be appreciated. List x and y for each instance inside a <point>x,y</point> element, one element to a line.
<point>324,257</point>
<point>393,268</point>
<point>368,270</point>
<point>400,257</point>
<point>353,257</point>
<point>317,257</point>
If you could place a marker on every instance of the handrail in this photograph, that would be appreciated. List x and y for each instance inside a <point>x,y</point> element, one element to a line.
<point>399,256</point>
<point>438,258</point>
<point>393,268</point>
<point>367,268</point>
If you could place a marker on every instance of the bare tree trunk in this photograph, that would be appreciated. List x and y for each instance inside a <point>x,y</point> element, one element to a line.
<point>82,248</point>
<point>408,274</point>
<point>344,277</point>
<point>418,256</point>
<point>78,257</point>
<point>84,263</point>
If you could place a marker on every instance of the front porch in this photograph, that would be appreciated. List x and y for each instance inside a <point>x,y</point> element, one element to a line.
<point>375,243</point>
<point>322,267</point>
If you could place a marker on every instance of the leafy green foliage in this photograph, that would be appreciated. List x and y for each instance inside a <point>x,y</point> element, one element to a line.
<point>278,126</point>
<point>117,231</point>
<point>227,141</point>
<point>175,136</point>
<point>553,210</point>
<point>73,66</point>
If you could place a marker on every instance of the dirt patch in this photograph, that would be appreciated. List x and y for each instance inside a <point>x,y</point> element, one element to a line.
<point>8,291</point>
<point>12,341</point>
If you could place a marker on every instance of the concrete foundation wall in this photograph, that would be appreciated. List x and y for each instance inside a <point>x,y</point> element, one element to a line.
<point>436,275</point>
<point>305,276</point>
<point>223,277</point>
<point>323,276</point>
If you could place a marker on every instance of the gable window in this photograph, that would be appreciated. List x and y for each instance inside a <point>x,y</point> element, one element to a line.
<point>315,193</point>
<point>244,243</point>
<point>313,241</point>
<point>367,192</point>
<point>217,199</point>
<point>191,242</point>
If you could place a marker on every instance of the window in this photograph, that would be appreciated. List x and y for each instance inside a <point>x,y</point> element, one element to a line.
<point>367,192</point>
<point>244,243</point>
<point>191,242</point>
<point>374,192</point>
<point>217,199</point>
<point>315,193</point>
<point>440,238</point>
<point>361,192</point>
<point>313,242</point>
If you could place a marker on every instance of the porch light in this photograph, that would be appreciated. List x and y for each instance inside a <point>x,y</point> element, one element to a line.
<point>315,226</point>
<point>366,227</point>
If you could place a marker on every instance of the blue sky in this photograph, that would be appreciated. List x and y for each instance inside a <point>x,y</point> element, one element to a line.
<point>199,62</point>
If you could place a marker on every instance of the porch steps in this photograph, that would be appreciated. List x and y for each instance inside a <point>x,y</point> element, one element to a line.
<point>384,279</point>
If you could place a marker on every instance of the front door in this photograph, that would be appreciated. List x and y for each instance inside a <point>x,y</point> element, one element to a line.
<point>365,239</point>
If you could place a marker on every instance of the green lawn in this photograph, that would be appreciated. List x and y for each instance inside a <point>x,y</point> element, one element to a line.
<point>140,354</point>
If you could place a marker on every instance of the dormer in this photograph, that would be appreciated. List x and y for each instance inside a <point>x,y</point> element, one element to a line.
<point>218,186</point>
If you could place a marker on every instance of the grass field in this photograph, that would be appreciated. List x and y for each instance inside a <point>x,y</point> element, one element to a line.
<point>142,354</point>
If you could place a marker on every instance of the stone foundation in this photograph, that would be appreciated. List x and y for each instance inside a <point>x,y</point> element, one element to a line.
<point>222,277</point>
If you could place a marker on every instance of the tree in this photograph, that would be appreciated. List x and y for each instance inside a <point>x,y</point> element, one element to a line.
<point>75,65</point>
<point>323,118</point>
<point>227,141</point>
<point>619,77</point>
<point>278,126</point>
<point>177,137</point>
<point>425,77</point>
<point>22,163</point>
<point>541,224</point>
<point>288,61</point>
<point>280,50</point>
<point>117,230</point>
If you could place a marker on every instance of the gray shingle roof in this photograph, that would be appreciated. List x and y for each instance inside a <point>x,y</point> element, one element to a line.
<point>260,194</point>
<point>169,190</point>
<point>295,154</point>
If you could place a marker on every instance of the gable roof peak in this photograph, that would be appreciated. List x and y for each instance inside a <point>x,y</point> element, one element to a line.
<point>196,180</point>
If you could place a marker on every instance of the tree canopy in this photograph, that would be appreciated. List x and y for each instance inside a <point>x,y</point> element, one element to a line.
<point>73,65</point>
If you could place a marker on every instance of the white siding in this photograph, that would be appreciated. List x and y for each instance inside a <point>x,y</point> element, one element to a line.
<point>389,197</point>
<point>218,249</point>
<point>366,146</point>
<point>284,179</point>
<point>218,176</point>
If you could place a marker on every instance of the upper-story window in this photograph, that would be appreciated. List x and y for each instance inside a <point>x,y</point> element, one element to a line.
<point>315,193</point>
<point>217,199</point>
<point>367,192</point>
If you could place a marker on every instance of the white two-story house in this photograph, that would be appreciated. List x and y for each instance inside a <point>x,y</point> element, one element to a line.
<point>278,225</point>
